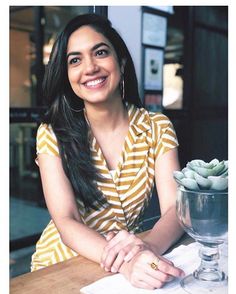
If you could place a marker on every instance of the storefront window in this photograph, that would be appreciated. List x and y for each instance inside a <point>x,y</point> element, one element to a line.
<point>33,30</point>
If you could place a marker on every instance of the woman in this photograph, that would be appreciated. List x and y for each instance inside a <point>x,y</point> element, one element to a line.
<point>99,152</point>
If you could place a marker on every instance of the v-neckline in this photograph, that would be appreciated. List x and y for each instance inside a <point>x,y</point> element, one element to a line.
<point>101,157</point>
<point>124,151</point>
<point>127,145</point>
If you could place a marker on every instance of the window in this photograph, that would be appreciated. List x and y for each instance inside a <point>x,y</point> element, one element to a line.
<point>174,61</point>
<point>33,29</point>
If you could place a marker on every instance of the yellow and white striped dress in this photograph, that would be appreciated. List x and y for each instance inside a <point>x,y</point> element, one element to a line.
<point>127,191</point>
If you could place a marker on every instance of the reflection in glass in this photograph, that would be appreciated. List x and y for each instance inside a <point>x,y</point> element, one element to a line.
<point>28,213</point>
<point>22,57</point>
<point>173,86</point>
<point>174,59</point>
<point>56,17</point>
<point>23,39</point>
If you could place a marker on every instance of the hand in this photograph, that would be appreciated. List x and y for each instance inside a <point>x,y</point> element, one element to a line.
<point>141,275</point>
<point>121,247</point>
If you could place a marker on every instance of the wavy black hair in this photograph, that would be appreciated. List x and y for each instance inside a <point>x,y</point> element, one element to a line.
<point>70,127</point>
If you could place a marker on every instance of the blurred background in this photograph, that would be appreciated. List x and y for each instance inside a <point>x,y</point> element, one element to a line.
<point>181,59</point>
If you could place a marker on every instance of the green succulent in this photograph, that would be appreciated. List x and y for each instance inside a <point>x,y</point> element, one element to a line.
<point>200,175</point>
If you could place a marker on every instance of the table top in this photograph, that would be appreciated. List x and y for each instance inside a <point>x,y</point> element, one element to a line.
<point>64,277</point>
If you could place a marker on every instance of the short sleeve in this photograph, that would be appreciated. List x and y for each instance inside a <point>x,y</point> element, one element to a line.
<point>164,135</point>
<point>46,141</point>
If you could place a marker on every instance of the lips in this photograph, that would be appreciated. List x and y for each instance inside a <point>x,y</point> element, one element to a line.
<point>95,82</point>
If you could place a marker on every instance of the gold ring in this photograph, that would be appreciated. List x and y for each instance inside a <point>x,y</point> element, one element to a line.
<point>154,265</point>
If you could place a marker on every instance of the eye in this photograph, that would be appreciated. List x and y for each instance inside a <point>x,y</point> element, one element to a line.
<point>102,52</point>
<point>74,60</point>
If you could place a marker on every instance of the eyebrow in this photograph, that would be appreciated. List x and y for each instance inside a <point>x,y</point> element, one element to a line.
<point>92,49</point>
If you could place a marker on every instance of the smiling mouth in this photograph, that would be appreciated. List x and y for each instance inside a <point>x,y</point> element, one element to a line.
<point>95,83</point>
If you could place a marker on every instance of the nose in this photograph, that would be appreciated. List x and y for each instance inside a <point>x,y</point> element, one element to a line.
<point>90,66</point>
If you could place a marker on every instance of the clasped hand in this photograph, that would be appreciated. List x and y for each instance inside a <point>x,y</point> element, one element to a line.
<point>129,255</point>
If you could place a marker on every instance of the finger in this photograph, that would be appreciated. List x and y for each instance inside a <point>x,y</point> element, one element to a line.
<point>133,252</point>
<point>107,249</point>
<point>107,259</point>
<point>120,236</point>
<point>110,236</point>
<point>109,256</point>
<point>151,281</point>
<point>104,256</point>
<point>166,260</point>
<point>129,251</point>
<point>112,254</point>
<point>121,253</point>
<point>159,275</point>
<point>118,261</point>
<point>114,246</point>
<point>125,255</point>
<point>170,269</point>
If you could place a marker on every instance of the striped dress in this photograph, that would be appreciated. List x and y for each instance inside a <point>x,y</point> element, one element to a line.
<point>127,189</point>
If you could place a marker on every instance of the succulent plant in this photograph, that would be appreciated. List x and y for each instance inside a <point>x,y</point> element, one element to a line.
<point>200,175</point>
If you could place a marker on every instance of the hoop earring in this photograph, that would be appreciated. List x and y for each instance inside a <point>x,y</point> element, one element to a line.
<point>122,86</point>
<point>68,105</point>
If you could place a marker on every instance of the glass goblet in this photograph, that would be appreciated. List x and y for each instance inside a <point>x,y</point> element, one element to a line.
<point>204,216</point>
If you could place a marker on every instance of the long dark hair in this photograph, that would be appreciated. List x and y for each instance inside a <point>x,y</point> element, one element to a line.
<point>70,126</point>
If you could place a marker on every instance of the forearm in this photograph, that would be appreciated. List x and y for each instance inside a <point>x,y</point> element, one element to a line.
<point>165,232</point>
<point>82,239</point>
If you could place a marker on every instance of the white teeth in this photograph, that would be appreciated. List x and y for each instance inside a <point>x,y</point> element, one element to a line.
<point>94,83</point>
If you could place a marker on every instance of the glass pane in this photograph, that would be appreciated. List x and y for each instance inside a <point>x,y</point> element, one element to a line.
<point>25,184</point>
<point>28,212</point>
<point>22,47</point>
<point>22,57</point>
<point>173,86</point>
<point>174,61</point>
<point>56,17</point>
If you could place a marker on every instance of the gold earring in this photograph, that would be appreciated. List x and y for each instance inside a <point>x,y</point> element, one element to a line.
<point>123,87</point>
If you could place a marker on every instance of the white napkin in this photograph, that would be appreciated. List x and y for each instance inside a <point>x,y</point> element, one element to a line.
<point>185,257</point>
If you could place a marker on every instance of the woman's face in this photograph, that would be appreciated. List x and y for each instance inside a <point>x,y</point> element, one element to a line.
<point>93,68</point>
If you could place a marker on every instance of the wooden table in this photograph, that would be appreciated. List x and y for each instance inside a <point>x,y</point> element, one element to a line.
<point>66,277</point>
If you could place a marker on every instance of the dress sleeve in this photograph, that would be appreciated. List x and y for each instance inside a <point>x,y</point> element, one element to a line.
<point>166,138</point>
<point>46,141</point>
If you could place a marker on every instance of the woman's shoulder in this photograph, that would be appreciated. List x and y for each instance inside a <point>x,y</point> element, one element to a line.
<point>162,123</point>
<point>45,129</point>
<point>153,118</point>
<point>46,140</point>
<point>158,117</point>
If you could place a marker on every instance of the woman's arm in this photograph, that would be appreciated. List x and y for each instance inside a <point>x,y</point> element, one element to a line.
<point>62,207</point>
<point>167,230</point>
<point>124,246</point>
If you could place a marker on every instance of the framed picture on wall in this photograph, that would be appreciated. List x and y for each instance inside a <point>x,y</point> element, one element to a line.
<point>154,30</point>
<point>153,69</point>
<point>153,102</point>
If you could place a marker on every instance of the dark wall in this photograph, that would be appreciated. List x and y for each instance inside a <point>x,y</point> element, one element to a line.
<point>202,124</point>
<point>209,108</point>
